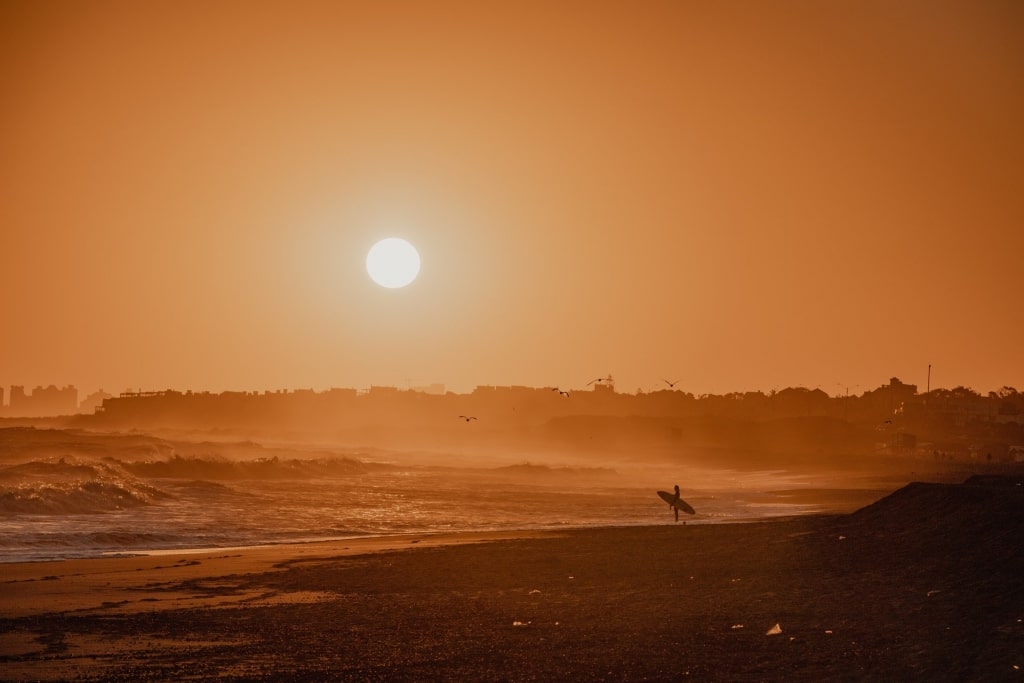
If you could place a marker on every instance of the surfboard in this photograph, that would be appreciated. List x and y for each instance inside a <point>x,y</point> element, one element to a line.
<point>671,499</point>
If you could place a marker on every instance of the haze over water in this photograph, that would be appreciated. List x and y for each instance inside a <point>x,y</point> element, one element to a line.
<point>82,507</point>
<point>739,198</point>
<point>179,470</point>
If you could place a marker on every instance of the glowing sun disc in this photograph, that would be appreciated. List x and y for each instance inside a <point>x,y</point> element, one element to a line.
<point>393,263</point>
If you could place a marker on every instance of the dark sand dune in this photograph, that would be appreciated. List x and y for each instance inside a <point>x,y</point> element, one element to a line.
<point>980,507</point>
<point>922,585</point>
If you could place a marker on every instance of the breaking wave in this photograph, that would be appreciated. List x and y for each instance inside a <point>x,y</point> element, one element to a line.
<point>215,468</point>
<point>64,495</point>
<point>75,497</point>
<point>74,486</point>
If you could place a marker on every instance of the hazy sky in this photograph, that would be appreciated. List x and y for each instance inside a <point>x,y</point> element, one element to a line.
<point>736,195</point>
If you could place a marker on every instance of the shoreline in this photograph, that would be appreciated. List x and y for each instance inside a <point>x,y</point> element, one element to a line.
<point>921,585</point>
<point>398,536</point>
<point>778,503</point>
<point>84,584</point>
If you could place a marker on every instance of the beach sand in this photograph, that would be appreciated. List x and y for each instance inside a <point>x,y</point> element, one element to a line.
<point>924,584</point>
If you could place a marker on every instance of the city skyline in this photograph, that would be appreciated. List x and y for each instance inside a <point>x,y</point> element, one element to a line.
<point>929,377</point>
<point>53,400</point>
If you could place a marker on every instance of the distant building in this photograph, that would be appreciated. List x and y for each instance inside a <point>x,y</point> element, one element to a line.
<point>436,388</point>
<point>43,401</point>
<point>19,401</point>
<point>93,401</point>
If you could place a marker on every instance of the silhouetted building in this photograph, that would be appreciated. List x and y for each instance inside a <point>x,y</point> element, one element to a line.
<point>93,401</point>
<point>43,401</point>
<point>19,401</point>
<point>435,389</point>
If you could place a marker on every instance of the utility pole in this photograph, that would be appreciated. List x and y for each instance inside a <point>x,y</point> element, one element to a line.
<point>928,391</point>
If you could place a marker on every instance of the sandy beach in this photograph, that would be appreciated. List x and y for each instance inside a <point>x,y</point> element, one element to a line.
<point>924,584</point>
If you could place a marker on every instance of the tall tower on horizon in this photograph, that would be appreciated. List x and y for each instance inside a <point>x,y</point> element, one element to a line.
<point>18,397</point>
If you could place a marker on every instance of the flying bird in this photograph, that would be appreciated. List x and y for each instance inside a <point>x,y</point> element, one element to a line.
<point>560,392</point>
<point>467,418</point>
<point>599,379</point>
<point>671,385</point>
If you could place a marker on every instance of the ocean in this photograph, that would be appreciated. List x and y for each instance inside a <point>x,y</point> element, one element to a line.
<point>95,502</point>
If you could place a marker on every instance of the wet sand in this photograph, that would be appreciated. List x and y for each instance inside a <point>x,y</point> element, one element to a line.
<point>924,584</point>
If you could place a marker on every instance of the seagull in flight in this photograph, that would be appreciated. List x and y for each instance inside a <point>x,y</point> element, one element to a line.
<point>599,379</point>
<point>560,392</point>
<point>671,385</point>
<point>467,418</point>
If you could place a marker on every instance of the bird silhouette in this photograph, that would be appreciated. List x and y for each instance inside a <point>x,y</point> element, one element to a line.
<point>467,418</point>
<point>560,392</point>
<point>671,385</point>
<point>599,379</point>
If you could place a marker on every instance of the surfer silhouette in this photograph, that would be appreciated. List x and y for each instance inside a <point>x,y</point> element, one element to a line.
<point>675,503</point>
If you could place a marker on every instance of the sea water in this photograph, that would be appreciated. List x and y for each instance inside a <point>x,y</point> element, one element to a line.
<point>89,507</point>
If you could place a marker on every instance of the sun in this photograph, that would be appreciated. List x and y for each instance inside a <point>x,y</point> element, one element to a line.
<point>393,263</point>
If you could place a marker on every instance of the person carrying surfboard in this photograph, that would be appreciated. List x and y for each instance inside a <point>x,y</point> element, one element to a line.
<point>676,503</point>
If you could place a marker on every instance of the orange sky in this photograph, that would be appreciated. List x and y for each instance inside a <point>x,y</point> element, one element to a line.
<point>737,195</point>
